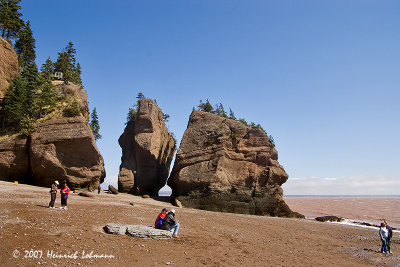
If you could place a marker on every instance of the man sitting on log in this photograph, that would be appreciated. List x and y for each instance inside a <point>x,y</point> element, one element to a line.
<point>170,223</point>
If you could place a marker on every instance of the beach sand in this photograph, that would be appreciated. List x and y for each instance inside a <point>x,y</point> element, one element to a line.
<point>205,238</point>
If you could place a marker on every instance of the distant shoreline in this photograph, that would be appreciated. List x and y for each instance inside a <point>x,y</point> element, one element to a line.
<point>341,196</point>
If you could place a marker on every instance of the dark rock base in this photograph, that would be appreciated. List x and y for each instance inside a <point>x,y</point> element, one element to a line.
<point>239,202</point>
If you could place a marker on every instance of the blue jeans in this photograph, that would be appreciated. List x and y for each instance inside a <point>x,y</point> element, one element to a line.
<point>174,229</point>
<point>384,247</point>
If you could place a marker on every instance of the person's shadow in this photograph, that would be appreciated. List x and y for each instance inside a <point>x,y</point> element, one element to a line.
<point>43,206</point>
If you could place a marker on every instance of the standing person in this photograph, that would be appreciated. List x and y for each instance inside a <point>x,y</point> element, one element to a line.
<point>53,194</point>
<point>64,196</point>
<point>98,189</point>
<point>170,223</point>
<point>390,234</point>
<point>160,218</point>
<point>383,233</point>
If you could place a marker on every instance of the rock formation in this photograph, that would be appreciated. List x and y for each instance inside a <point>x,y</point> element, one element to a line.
<point>65,149</point>
<point>8,65</point>
<point>147,151</point>
<point>222,165</point>
<point>141,231</point>
<point>60,148</point>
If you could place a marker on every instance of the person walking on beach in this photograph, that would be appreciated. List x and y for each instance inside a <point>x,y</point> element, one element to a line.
<point>53,194</point>
<point>383,233</point>
<point>64,196</point>
<point>390,234</point>
<point>160,218</point>
<point>170,223</point>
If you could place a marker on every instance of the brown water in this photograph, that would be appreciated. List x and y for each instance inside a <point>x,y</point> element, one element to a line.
<point>362,209</point>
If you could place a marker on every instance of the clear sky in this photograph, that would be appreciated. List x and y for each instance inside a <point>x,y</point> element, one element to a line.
<point>322,77</point>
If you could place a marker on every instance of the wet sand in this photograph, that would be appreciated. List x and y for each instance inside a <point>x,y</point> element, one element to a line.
<point>32,235</point>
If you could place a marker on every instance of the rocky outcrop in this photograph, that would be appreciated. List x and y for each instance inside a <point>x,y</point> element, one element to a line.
<point>141,231</point>
<point>8,65</point>
<point>222,165</point>
<point>65,149</point>
<point>60,149</point>
<point>147,151</point>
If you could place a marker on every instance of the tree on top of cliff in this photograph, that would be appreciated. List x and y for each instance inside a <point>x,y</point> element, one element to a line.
<point>94,125</point>
<point>206,107</point>
<point>66,63</point>
<point>25,46</point>
<point>27,99</point>
<point>10,21</point>
<point>133,110</point>
<point>220,111</point>
<point>47,70</point>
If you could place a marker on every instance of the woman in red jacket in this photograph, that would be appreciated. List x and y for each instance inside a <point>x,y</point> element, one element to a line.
<point>64,196</point>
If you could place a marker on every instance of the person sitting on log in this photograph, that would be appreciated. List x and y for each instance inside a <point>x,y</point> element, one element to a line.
<point>160,218</point>
<point>170,223</point>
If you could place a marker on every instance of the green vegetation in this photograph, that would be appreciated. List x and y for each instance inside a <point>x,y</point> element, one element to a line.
<point>220,111</point>
<point>32,96</point>
<point>10,18</point>
<point>27,99</point>
<point>134,109</point>
<point>94,125</point>
<point>66,64</point>
<point>25,46</point>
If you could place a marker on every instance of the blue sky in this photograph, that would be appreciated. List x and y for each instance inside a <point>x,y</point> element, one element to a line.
<point>322,77</point>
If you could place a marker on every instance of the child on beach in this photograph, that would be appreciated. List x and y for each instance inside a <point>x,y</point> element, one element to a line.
<point>160,218</point>
<point>64,196</point>
<point>53,194</point>
<point>383,233</point>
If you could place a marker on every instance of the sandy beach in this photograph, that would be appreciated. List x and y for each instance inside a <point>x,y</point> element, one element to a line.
<point>32,234</point>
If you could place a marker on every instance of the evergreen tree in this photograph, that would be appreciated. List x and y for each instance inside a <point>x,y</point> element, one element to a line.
<point>10,21</point>
<point>207,107</point>
<point>272,140</point>
<point>220,111</point>
<point>140,96</point>
<point>165,117</point>
<point>94,124</point>
<point>47,70</point>
<point>231,114</point>
<point>31,74</point>
<point>66,63</point>
<point>77,74</point>
<point>25,46</point>
<point>244,122</point>
<point>13,103</point>
<point>46,99</point>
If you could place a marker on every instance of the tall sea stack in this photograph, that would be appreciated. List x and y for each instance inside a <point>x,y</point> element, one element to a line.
<point>223,165</point>
<point>147,151</point>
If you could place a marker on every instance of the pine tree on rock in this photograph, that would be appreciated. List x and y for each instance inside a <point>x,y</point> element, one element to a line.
<point>25,46</point>
<point>10,21</point>
<point>94,124</point>
<point>47,70</point>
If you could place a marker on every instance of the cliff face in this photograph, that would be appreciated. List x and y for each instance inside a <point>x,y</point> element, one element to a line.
<point>8,65</point>
<point>64,149</point>
<point>222,165</point>
<point>147,151</point>
<point>59,149</point>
